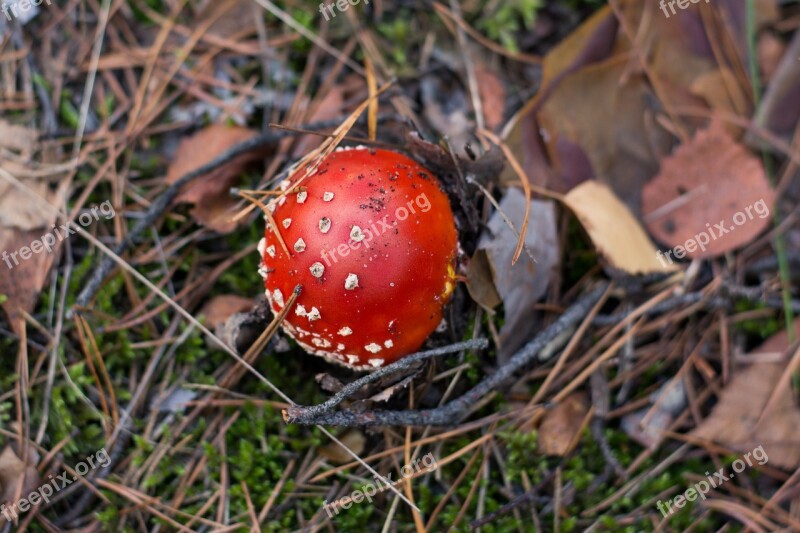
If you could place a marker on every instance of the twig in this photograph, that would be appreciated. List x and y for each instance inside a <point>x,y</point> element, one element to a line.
<point>296,413</point>
<point>452,412</point>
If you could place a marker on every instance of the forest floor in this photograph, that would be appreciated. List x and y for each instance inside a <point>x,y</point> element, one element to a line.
<point>620,351</point>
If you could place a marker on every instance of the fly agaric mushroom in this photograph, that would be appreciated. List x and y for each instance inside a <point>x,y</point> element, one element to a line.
<point>372,239</point>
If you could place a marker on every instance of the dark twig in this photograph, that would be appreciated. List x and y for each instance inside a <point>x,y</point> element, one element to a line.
<point>159,206</point>
<point>298,412</point>
<point>452,412</point>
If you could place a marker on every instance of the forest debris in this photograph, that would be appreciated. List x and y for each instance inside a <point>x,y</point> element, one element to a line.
<point>613,130</point>
<point>770,51</point>
<point>24,221</point>
<point>492,93</point>
<point>616,234</point>
<point>217,310</point>
<point>647,425</point>
<point>739,419</point>
<point>779,110</point>
<point>175,401</point>
<point>561,426</point>
<point>386,394</point>
<point>446,106</point>
<point>210,193</point>
<point>237,18</point>
<point>353,439</point>
<point>711,186</point>
<point>522,285</point>
<point>13,469</point>
<point>330,107</point>
<point>721,90</point>
<point>733,421</point>
<point>480,283</point>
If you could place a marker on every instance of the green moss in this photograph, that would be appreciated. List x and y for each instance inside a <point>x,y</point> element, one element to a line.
<point>507,19</point>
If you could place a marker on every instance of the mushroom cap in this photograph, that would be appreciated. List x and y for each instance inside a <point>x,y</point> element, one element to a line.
<point>372,240</point>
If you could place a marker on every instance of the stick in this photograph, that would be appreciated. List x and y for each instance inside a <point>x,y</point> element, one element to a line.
<point>451,413</point>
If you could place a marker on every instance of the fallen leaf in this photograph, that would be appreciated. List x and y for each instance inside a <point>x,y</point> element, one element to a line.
<point>387,393</point>
<point>13,470</point>
<point>721,90</point>
<point>733,420</point>
<point>210,192</point>
<point>709,181</point>
<point>480,281</point>
<point>523,284</point>
<point>612,126</point>
<point>217,310</point>
<point>24,221</point>
<point>492,93</point>
<point>616,234</point>
<point>353,439</point>
<point>561,426</point>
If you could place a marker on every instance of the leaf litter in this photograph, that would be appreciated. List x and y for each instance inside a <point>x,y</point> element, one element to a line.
<point>612,134</point>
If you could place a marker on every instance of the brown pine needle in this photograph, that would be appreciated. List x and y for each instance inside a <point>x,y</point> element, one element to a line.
<point>270,219</point>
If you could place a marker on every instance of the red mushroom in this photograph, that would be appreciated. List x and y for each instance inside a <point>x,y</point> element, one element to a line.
<point>372,239</point>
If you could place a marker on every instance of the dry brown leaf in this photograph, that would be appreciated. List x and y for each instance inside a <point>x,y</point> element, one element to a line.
<point>709,181</point>
<point>386,394</point>
<point>616,234</point>
<point>13,470</point>
<point>612,124</point>
<point>23,222</point>
<point>721,90</point>
<point>353,439</point>
<point>492,93</point>
<point>217,310</point>
<point>561,426</point>
<point>210,192</point>
<point>732,421</point>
